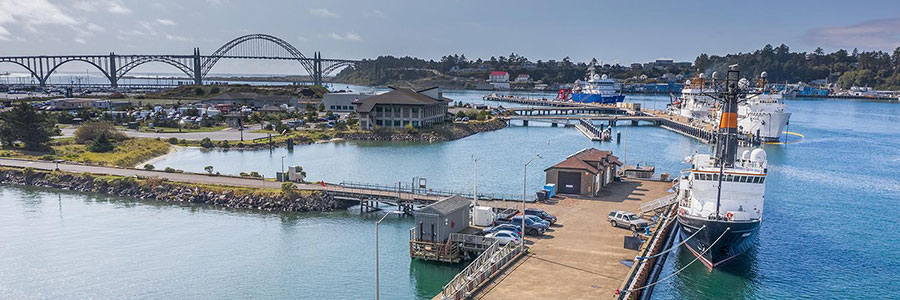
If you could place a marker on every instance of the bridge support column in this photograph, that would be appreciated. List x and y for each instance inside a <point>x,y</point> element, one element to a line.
<point>317,68</point>
<point>634,122</point>
<point>198,75</point>
<point>554,124</point>
<point>113,77</point>
<point>525,123</point>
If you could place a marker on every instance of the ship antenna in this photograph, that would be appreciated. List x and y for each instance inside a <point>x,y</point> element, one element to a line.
<point>726,143</point>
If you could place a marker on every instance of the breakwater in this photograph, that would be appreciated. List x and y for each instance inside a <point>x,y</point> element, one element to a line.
<point>453,132</point>
<point>171,192</point>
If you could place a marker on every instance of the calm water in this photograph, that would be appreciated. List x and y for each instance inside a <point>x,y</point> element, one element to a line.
<point>831,216</point>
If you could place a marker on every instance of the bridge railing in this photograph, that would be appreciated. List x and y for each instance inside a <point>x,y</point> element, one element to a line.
<point>409,188</point>
<point>480,270</point>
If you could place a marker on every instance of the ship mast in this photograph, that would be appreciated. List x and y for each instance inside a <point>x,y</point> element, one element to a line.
<point>726,142</point>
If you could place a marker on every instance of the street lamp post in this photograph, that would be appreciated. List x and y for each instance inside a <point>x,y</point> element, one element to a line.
<point>282,166</point>
<point>377,270</point>
<point>524,191</point>
<point>475,182</point>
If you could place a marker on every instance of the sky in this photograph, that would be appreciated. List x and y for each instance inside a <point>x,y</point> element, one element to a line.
<point>611,31</point>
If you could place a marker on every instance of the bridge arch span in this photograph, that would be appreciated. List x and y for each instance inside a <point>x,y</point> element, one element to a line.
<point>33,74</point>
<point>125,68</point>
<point>68,60</point>
<point>222,51</point>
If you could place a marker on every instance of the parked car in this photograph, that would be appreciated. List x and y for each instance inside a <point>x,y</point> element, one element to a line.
<point>505,227</point>
<point>627,220</point>
<point>542,214</point>
<point>505,237</point>
<point>538,220</point>
<point>531,227</point>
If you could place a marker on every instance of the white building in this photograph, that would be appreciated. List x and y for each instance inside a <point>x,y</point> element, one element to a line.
<point>342,102</point>
<point>500,80</point>
<point>523,78</point>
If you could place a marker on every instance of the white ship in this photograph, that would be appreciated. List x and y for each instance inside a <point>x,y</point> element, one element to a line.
<point>762,115</point>
<point>721,198</point>
<point>696,101</point>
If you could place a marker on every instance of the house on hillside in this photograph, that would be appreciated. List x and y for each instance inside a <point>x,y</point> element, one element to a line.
<point>499,79</point>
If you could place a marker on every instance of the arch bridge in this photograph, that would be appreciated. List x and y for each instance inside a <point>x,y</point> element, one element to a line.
<point>196,66</point>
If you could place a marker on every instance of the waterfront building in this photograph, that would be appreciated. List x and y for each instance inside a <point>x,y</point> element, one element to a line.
<point>342,102</point>
<point>401,107</point>
<point>435,222</point>
<point>499,79</point>
<point>584,173</point>
<point>523,78</point>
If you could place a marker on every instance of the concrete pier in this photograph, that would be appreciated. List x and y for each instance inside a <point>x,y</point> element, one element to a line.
<point>579,257</point>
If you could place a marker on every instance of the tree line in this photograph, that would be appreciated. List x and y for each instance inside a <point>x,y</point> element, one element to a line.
<point>876,69</point>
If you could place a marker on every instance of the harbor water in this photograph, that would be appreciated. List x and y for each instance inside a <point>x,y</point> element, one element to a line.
<point>829,218</point>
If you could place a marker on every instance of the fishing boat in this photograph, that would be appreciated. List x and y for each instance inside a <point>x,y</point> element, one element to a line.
<point>720,198</point>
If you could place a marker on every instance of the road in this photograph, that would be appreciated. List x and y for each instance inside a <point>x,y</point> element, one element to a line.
<point>229,134</point>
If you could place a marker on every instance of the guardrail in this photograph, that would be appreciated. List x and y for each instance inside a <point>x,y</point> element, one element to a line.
<point>660,202</point>
<point>480,270</point>
<point>401,187</point>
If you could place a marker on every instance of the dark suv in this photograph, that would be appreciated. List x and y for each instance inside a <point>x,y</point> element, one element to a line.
<point>541,214</point>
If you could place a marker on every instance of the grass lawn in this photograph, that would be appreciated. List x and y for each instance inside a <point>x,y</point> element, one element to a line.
<point>126,154</point>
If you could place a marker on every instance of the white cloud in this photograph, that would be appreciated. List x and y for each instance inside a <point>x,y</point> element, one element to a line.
<point>4,34</point>
<point>28,14</point>
<point>345,37</point>
<point>375,13</point>
<point>173,37</point>
<point>79,40</point>
<point>322,12</point>
<point>94,27</point>
<point>113,6</point>
<point>873,34</point>
<point>166,22</point>
<point>302,38</point>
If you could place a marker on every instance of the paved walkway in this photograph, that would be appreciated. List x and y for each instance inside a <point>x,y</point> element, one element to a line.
<point>209,179</point>
<point>229,134</point>
<point>579,258</point>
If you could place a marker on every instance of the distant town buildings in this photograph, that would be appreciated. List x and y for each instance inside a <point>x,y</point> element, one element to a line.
<point>523,78</point>
<point>252,99</point>
<point>401,107</point>
<point>660,64</point>
<point>85,103</point>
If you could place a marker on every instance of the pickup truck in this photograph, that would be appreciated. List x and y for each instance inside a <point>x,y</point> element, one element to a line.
<point>627,220</point>
<point>531,227</point>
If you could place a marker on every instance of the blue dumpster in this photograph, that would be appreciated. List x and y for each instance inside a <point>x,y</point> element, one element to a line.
<point>551,190</point>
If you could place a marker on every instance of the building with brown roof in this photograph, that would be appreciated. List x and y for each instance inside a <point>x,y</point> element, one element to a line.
<point>401,107</point>
<point>584,173</point>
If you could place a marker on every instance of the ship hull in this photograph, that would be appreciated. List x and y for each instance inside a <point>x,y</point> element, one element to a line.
<point>767,126</point>
<point>740,237</point>
<point>597,98</point>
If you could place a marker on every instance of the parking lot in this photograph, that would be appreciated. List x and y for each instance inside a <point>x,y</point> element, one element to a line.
<point>579,257</point>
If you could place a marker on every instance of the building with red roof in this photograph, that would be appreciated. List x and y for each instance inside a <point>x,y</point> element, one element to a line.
<point>584,173</point>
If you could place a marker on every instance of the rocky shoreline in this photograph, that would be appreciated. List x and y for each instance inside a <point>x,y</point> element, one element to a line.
<point>458,131</point>
<point>164,191</point>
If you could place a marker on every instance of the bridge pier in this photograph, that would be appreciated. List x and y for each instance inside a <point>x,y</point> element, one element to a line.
<point>525,123</point>
<point>198,75</point>
<point>113,77</point>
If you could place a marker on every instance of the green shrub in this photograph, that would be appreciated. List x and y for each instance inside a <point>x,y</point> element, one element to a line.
<point>255,174</point>
<point>149,167</point>
<point>101,144</point>
<point>170,170</point>
<point>173,140</point>
<point>206,143</point>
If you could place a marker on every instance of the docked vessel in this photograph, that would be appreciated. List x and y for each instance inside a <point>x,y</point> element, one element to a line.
<point>763,115</point>
<point>720,199</point>
<point>596,89</point>
<point>696,101</point>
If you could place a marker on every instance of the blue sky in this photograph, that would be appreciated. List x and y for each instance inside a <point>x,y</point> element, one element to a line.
<point>611,31</point>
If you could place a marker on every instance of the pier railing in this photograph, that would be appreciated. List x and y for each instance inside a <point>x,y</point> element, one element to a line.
<point>480,270</point>
<point>658,203</point>
<point>401,187</point>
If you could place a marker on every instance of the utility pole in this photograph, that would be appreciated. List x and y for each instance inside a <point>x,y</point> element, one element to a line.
<point>475,182</point>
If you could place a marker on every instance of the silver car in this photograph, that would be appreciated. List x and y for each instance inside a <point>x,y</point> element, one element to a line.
<point>626,219</point>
